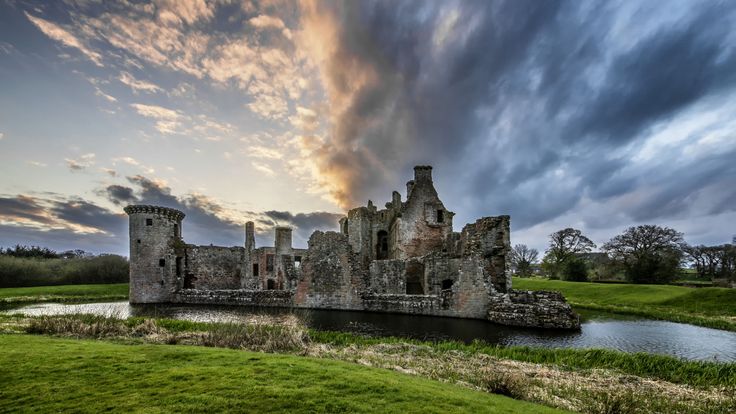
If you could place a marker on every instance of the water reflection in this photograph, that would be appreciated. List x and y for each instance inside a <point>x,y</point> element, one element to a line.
<point>599,330</point>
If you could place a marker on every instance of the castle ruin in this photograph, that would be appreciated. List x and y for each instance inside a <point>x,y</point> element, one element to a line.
<point>404,258</point>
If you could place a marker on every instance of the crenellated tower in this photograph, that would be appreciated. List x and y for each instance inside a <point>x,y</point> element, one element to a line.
<point>156,253</point>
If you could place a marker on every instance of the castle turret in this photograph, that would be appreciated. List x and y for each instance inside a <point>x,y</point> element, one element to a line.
<point>155,267</point>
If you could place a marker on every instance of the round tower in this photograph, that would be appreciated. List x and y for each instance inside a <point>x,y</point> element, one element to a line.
<point>155,236</point>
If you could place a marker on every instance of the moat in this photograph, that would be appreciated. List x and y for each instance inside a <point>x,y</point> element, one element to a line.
<point>598,330</point>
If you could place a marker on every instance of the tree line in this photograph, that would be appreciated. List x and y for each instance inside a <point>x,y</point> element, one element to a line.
<point>38,266</point>
<point>641,254</point>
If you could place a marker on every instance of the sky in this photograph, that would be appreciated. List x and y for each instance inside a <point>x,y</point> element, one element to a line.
<point>597,115</point>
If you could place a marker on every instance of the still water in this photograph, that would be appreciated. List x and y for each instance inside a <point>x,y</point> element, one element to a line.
<point>599,330</point>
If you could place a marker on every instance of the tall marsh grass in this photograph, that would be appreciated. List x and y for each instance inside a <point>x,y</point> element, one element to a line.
<point>291,336</point>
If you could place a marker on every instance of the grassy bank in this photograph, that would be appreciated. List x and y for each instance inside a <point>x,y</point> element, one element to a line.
<point>158,378</point>
<point>711,307</point>
<point>64,293</point>
<point>590,381</point>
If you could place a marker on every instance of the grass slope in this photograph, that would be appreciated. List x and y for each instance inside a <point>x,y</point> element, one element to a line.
<point>44,374</point>
<point>712,307</point>
<point>64,293</point>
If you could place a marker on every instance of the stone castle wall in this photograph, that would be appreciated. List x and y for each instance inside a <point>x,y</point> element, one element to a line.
<point>214,267</point>
<point>404,259</point>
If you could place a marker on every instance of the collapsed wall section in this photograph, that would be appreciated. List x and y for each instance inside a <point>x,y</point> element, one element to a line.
<point>537,309</point>
<point>488,238</point>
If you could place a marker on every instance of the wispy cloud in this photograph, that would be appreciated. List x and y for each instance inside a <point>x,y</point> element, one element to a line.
<point>167,120</point>
<point>62,35</point>
<point>82,163</point>
<point>136,84</point>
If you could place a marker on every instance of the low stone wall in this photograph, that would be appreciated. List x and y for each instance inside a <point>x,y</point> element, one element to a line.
<point>274,298</point>
<point>411,304</point>
<point>541,309</point>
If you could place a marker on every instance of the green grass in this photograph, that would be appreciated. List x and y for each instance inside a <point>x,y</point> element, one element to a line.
<point>711,307</point>
<point>42,374</point>
<point>64,293</point>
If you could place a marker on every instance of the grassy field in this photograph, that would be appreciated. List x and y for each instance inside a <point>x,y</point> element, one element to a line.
<point>64,293</point>
<point>44,374</point>
<point>712,307</point>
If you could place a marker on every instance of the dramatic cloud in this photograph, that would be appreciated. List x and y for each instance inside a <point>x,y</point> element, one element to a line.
<point>60,223</point>
<point>560,113</point>
<point>528,118</point>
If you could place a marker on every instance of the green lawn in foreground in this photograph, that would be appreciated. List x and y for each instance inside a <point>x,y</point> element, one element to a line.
<point>44,374</point>
<point>64,293</point>
<point>714,307</point>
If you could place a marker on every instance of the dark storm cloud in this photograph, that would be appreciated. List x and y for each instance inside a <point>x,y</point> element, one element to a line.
<point>524,107</point>
<point>61,223</point>
<point>120,195</point>
<point>663,73</point>
<point>87,214</point>
<point>23,208</point>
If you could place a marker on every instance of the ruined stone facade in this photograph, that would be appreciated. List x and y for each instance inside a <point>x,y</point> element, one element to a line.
<point>404,258</point>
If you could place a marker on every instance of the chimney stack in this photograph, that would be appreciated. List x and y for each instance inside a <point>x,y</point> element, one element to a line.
<point>250,237</point>
<point>423,173</point>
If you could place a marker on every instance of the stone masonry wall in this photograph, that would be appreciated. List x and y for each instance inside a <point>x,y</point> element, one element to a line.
<point>214,267</point>
<point>387,277</point>
<point>488,238</point>
<point>533,309</point>
<point>331,276</point>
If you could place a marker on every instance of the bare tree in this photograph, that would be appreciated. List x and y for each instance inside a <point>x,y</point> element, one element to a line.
<point>648,253</point>
<point>564,245</point>
<point>522,258</point>
<point>697,257</point>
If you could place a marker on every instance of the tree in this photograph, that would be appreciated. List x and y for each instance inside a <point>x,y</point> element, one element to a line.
<point>648,253</point>
<point>522,258</point>
<point>697,257</point>
<point>564,245</point>
<point>576,269</point>
<point>30,251</point>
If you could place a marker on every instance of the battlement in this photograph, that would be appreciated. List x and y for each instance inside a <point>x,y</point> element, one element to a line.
<point>167,212</point>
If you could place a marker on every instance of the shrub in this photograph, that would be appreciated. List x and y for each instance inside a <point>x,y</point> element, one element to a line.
<point>576,270</point>
<point>34,271</point>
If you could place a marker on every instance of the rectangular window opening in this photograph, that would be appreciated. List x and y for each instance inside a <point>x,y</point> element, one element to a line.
<point>440,216</point>
<point>255,269</point>
<point>269,263</point>
<point>149,222</point>
<point>297,261</point>
<point>162,262</point>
